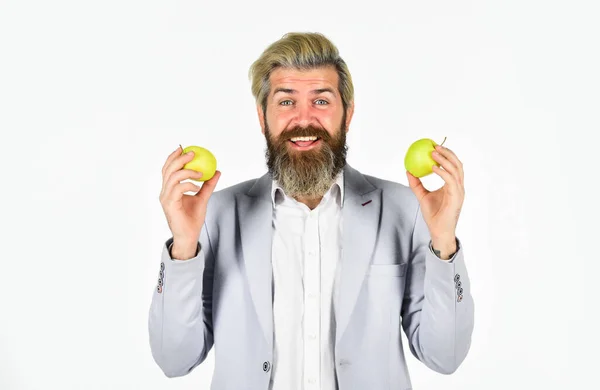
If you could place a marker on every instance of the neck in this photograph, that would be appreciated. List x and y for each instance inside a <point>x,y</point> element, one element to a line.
<point>312,203</point>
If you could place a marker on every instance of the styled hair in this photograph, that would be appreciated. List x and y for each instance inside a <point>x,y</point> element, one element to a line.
<point>301,51</point>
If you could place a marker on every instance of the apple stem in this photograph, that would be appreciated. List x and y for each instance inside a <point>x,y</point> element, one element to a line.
<point>442,144</point>
<point>181,148</point>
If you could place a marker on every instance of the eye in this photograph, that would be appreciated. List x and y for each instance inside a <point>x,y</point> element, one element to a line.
<point>284,102</point>
<point>321,100</point>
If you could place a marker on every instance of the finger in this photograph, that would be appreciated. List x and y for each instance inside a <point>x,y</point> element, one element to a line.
<point>172,156</point>
<point>450,155</point>
<point>208,187</point>
<point>416,185</point>
<point>177,164</point>
<point>180,190</point>
<point>179,176</point>
<point>448,178</point>
<point>446,164</point>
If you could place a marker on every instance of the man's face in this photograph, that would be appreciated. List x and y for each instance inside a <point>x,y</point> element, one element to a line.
<point>305,128</point>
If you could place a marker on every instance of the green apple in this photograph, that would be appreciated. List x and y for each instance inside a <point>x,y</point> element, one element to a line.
<point>204,161</point>
<point>418,160</point>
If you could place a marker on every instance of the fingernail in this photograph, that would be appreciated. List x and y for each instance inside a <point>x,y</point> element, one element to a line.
<point>189,153</point>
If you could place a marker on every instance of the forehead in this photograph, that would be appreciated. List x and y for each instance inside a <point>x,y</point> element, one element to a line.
<point>288,77</point>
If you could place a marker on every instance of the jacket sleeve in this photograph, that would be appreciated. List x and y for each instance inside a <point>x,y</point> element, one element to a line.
<point>438,309</point>
<point>180,315</point>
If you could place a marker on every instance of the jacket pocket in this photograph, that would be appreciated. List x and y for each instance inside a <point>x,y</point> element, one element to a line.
<point>387,269</point>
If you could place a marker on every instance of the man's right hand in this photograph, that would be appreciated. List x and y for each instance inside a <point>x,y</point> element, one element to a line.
<point>185,213</point>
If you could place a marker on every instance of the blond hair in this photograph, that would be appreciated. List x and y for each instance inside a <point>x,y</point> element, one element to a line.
<point>302,51</point>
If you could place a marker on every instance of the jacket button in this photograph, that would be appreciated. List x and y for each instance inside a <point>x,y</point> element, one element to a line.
<point>266,366</point>
<point>456,278</point>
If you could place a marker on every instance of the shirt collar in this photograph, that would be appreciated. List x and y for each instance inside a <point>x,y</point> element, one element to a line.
<point>336,188</point>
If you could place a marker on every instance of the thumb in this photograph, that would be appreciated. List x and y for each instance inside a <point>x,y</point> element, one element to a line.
<point>416,185</point>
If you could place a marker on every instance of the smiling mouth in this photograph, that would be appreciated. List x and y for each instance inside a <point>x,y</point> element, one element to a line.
<point>304,141</point>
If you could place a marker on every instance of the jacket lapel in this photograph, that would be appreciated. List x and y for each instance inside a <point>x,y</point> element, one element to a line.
<point>255,216</point>
<point>361,213</point>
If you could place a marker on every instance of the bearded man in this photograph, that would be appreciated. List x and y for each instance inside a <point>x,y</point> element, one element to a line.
<point>304,278</point>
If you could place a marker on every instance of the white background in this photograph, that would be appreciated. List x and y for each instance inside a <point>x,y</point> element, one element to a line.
<point>95,95</point>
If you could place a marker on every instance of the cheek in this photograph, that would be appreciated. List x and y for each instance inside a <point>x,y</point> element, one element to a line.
<point>330,119</point>
<point>330,123</point>
<point>280,116</point>
<point>325,117</point>
<point>277,122</point>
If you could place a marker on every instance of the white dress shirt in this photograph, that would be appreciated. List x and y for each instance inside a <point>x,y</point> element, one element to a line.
<point>305,255</point>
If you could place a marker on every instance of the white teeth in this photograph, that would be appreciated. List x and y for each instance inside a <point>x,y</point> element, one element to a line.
<point>311,138</point>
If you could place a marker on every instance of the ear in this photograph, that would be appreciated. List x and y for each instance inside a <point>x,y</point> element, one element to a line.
<point>349,113</point>
<point>261,117</point>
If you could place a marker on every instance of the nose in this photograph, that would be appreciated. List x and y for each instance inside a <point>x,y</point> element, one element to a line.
<point>304,115</point>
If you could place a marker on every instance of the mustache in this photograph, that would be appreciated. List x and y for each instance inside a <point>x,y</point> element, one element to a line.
<point>307,131</point>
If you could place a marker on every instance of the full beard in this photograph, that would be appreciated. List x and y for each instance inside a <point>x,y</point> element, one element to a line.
<point>307,173</point>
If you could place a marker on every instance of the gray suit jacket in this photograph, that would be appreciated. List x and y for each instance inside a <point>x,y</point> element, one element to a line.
<point>390,280</point>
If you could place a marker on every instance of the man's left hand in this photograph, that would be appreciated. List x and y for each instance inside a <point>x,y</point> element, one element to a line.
<point>441,208</point>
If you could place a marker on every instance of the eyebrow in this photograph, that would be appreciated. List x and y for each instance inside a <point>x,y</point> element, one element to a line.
<point>314,91</point>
